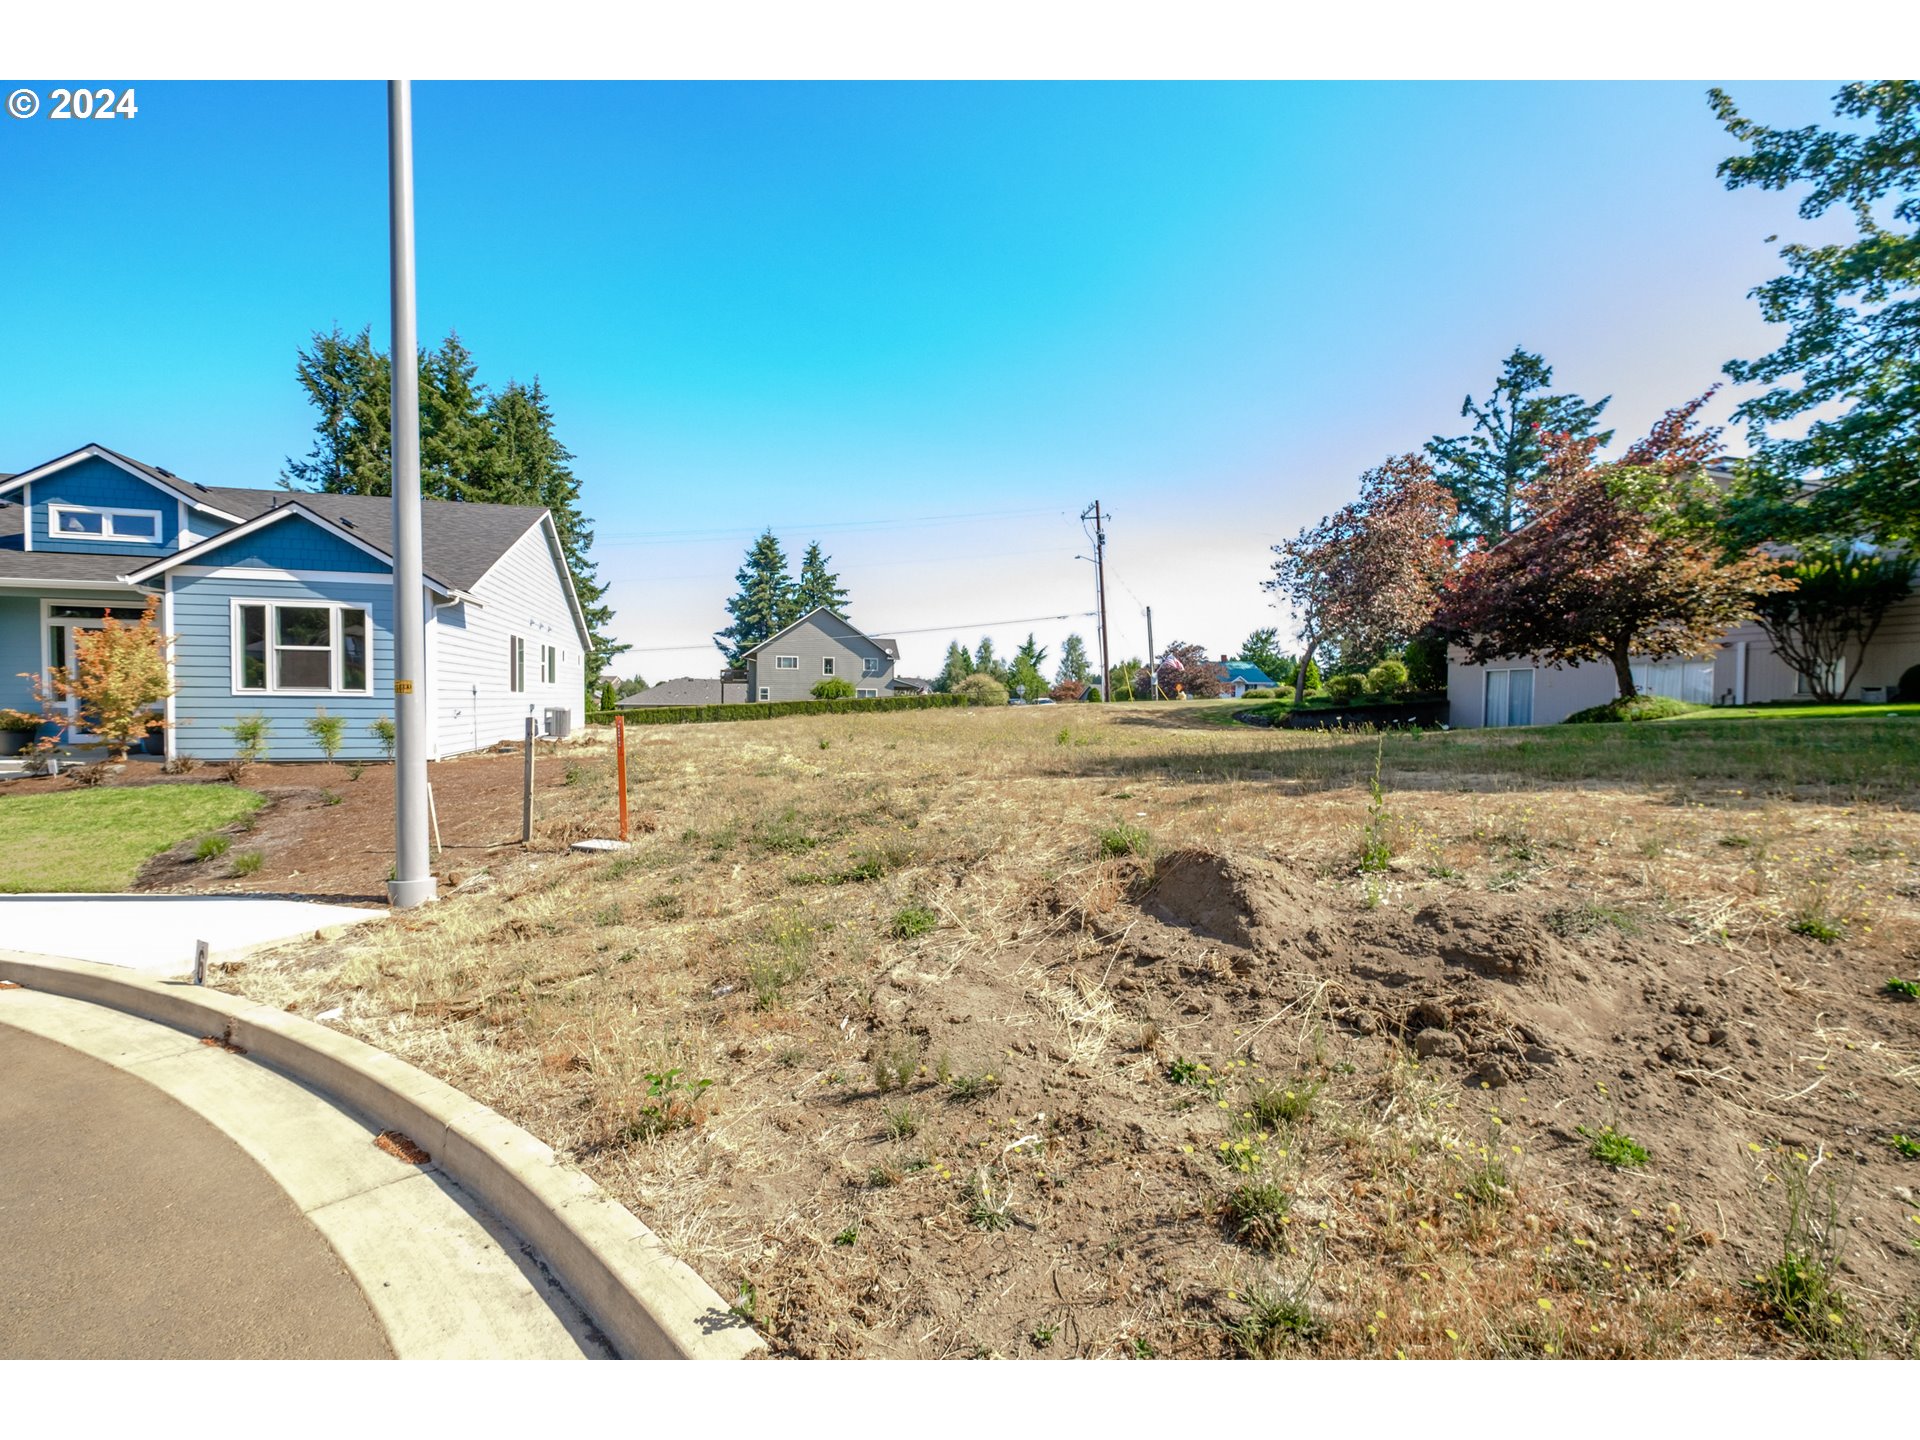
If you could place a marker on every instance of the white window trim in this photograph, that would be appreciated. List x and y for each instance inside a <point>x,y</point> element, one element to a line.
<point>549,665</point>
<point>763,692</point>
<point>866,694</point>
<point>109,514</point>
<point>786,662</point>
<point>826,665</point>
<point>516,665</point>
<point>872,665</point>
<point>236,646</point>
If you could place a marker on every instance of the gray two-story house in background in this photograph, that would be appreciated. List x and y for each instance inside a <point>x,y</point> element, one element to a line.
<point>820,646</point>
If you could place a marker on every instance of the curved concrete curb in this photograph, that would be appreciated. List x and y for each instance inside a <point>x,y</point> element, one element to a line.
<point>649,1304</point>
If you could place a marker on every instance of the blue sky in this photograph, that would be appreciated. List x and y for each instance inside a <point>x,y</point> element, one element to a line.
<point>841,309</point>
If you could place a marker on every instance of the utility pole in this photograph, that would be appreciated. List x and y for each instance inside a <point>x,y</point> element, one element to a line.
<point>1100,586</point>
<point>1153,660</point>
<point>412,882</point>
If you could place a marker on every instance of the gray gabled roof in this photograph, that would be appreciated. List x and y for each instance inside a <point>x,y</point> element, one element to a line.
<point>890,647</point>
<point>687,690</point>
<point>461,541</point>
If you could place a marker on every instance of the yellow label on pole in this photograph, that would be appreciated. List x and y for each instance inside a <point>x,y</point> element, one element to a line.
<point>403,687</point>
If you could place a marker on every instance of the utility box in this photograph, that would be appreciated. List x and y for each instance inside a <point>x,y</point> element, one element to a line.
<point>559,722</point>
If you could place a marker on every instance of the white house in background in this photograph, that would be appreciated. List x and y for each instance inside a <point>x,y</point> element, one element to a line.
<point>1743,671</point>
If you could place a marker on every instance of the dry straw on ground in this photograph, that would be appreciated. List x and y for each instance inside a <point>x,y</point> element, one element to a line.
<point>1108,1032</point>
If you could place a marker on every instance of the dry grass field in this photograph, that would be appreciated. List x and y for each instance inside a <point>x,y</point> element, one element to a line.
<point>1126,1032</point>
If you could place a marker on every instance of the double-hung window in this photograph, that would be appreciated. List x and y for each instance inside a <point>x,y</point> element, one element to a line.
<point>516,664</point>
<point>826,666</point>
<point>101,522</point>
<point>301,648</point>
<point>872,665</point>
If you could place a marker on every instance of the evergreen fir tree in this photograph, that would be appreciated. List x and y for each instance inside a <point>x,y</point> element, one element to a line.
<point>959,665</point>
<point>453,429</point>
<point>818,585</point>
<point>1487,467</point>
<point>764,604</point>
<point>1074,664</point>
<point>348,382</point>
<point>986,662</point>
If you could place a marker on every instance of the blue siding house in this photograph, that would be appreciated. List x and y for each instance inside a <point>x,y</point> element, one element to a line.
<point>281,604</point>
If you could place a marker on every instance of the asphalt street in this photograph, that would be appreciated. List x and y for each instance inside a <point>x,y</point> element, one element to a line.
<point>130,1228</point>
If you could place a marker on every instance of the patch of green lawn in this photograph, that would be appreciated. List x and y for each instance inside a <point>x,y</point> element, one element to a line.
<point>1792,710</point>
<point>96,840</point>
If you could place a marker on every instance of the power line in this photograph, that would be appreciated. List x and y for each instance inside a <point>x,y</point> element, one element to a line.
<point>707,640</point>
<point>905,522</point>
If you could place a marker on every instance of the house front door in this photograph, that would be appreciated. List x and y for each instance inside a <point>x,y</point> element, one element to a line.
<point>63,623</point>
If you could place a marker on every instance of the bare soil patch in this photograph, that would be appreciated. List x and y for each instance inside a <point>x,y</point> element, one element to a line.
<point>981,1087</point>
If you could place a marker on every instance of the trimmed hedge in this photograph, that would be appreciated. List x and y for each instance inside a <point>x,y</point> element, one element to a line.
<point>768,710</point>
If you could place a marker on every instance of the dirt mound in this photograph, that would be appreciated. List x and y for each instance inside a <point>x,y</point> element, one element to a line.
<point>1242,900</point>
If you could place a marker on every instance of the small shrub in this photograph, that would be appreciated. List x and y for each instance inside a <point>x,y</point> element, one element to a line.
<point>979,689</point>
<point>1346,688</point>
<point>912,921</point>
<point>1125,840</point>
<point>1639,708</point>
<point>833,688</point>
<point>212,846</point>
<point>1387,679</point>
<point>329,732</point>
<point>250,733</point>
<point>1614,1147</point>
<point>355,769</point>
<point>90,775</point>
<point>180,764</point>
<point>384,731</point>
<point>248,862</point>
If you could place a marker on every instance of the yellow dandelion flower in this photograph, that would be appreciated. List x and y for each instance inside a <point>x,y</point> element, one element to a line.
<point>1452,1336</point>
<point>1544,1303</point>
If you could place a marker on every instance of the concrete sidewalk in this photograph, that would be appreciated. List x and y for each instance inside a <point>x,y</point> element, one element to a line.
<point>161,1196</point>
<point>156,934</point>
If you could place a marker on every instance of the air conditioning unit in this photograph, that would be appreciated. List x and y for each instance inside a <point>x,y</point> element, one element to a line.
<point>559,722</point>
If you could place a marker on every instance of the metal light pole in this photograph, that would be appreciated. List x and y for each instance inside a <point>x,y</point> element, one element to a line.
<point>413,882</point>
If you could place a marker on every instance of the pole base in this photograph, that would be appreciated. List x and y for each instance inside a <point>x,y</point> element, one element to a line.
<point>405,894</point>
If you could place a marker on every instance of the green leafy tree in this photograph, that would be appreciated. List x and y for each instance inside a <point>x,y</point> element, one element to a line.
<point>1074,664</point>
<point>959,665</point>
<point>818,585</point>
<point>985,662</point>
<point>631,686</point>
<point>1025,680</point>
<point>1851,357</point>
<point>1488,469</point>
<point>1823,625</point>
<point>763,605</point>
<point>1262,649</point>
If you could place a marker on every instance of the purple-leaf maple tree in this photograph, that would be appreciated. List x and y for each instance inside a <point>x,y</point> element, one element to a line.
<point>1367,578</point>
<point>1622,560</point>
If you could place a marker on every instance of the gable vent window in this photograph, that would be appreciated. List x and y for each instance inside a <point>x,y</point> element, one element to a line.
<point>301,649</point>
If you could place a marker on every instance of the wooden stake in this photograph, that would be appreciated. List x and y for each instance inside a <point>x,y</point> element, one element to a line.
<point>526,797</point>
<point>620,768</point>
